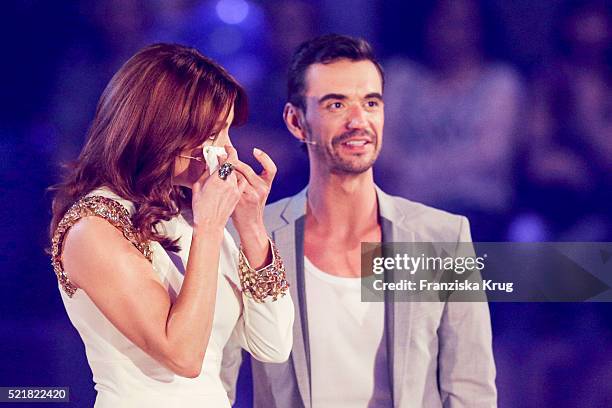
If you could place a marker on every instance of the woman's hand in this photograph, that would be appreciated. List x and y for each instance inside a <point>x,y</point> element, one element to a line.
<point>214,199</point>
<point>248,213</point>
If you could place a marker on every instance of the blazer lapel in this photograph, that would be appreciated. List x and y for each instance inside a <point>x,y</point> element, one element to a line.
<point>397,313</point>
<point>389,325</point>
<point>290,242</point>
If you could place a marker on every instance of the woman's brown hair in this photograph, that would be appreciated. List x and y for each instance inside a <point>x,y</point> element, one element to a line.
<point>164,99</point>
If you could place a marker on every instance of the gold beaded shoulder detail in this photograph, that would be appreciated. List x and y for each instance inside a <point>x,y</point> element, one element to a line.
<point>97,206</point>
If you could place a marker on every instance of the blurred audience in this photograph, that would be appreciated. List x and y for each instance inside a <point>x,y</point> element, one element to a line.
<point>289,24</point>
<point>567,169</point>
<point>452,120</point>
<point>107,34</point>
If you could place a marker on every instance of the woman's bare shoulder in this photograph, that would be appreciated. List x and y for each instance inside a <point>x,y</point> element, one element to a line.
<point>94,231</point>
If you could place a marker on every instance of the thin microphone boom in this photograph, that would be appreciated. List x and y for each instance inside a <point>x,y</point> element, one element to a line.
<point>310,142</point>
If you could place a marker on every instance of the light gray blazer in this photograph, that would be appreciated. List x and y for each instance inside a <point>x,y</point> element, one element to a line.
<point>440,354</point>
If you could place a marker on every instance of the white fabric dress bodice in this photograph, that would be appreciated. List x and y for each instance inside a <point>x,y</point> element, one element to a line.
<point>125,376</point>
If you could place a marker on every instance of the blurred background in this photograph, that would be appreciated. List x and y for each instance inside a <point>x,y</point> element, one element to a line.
<point>498,110</point>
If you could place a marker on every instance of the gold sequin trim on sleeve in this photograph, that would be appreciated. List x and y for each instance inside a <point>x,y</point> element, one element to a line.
<point>97,206</point>
<point>269,282</point>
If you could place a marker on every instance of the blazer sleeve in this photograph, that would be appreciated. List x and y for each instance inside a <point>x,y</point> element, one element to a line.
<point>466,364</point>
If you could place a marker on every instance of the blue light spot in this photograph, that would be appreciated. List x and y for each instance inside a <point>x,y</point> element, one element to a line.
<point>232,11</point>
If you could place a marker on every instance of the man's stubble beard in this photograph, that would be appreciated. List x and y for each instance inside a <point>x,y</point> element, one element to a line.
<point>338,165</point>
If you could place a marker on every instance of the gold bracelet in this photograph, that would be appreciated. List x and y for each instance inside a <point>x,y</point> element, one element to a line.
<point>269,281</point>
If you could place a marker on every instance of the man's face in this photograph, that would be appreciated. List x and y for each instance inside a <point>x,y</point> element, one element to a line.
<point>344,115</point>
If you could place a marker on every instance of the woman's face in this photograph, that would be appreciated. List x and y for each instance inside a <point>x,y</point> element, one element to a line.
<point>187,171</point>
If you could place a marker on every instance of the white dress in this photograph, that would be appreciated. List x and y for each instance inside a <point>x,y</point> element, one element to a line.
<point>125,376</point>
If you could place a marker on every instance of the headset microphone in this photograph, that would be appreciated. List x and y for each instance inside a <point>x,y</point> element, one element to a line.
<point>310,142</point>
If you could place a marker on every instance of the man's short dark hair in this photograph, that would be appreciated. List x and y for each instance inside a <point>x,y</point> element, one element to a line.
<point>325,49</point>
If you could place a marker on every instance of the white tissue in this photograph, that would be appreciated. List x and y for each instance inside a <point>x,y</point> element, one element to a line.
<point>211,156</point>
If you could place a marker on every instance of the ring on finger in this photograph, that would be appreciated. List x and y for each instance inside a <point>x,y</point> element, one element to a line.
<point>225,170</point>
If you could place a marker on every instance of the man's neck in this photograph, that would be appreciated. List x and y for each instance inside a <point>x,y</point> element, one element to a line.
<point>343,203</point>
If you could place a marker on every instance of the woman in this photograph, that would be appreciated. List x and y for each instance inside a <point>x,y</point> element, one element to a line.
<point>149,277</point>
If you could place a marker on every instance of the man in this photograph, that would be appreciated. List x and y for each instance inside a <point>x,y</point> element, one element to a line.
<point>348,353</point>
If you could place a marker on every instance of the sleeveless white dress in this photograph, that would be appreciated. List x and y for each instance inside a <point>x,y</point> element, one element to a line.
<point>125,376</point>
